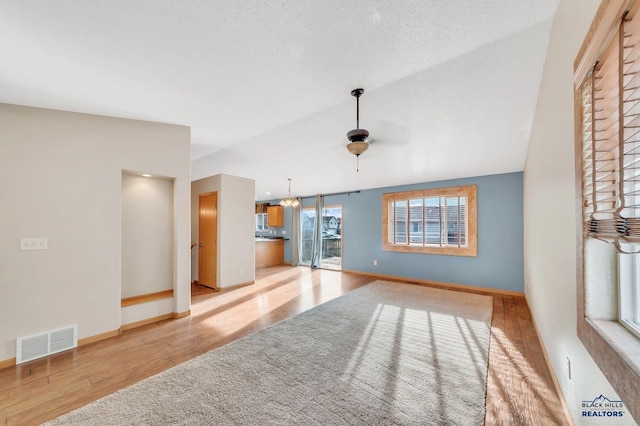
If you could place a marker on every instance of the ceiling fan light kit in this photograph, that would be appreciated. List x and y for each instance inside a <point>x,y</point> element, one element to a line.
<point>357,148</point>
<point>357,137</point>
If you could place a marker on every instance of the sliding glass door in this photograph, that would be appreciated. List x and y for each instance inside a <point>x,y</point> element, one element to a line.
<point>331,236</point>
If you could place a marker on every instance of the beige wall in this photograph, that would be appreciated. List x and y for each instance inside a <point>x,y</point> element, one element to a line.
<point>60,178</point>
<point>236,226</point>
<point>550,220</point>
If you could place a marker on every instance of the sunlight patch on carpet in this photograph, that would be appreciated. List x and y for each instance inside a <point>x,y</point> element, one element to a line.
<point>386,353</point>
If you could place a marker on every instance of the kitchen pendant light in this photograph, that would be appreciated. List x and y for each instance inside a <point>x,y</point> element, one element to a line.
<point>289,201</point>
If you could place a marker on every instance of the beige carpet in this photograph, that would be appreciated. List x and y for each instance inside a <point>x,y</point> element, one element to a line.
<point>384,354</point>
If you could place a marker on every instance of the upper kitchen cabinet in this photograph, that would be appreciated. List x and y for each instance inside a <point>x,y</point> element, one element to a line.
<point>261,207</point>
<point>275,216</point>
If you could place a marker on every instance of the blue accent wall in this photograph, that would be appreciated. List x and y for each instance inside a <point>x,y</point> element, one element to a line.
<point>500,260</point>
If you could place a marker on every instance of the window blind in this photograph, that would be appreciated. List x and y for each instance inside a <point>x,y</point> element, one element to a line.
<point>440,221</point>
<point>610,98</point>
<point>432,221</point>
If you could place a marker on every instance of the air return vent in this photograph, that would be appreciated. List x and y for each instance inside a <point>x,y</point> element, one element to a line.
<point>47,343</point>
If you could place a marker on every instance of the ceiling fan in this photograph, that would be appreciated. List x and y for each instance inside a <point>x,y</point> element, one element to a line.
<point>357,137</point>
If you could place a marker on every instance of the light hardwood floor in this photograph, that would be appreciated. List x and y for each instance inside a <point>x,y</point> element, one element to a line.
<point>519,388</point>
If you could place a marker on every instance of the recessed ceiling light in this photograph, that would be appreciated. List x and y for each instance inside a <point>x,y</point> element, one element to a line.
<point>268,193</point>
<point>146,175</point>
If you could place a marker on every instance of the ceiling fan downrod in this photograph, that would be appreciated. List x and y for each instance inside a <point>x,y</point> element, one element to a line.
<point>357,93</point>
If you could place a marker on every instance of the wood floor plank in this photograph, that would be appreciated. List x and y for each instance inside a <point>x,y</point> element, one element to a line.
<point>29,403</point>
<point>519,386</point>
<point>498,409</point>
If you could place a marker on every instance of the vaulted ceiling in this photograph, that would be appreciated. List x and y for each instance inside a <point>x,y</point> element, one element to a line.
<point>450,86</point>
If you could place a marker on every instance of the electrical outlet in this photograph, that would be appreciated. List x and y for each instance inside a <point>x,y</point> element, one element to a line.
<point>375,263</point>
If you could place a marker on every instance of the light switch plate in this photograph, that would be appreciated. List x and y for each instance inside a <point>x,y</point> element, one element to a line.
<point>26,244</point>
<point>40,243</point>
<point>34,244</point>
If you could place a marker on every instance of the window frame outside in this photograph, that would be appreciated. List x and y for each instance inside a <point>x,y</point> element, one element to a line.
<point>629,292</point>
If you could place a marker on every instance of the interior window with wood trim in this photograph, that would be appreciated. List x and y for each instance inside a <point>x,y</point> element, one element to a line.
<point>435,221</point>
<point>607,88</point>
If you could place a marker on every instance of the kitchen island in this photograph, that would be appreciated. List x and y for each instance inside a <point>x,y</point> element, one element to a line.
<point>269,252</point>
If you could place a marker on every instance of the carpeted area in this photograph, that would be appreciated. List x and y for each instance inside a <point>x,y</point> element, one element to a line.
<point>386,353</point>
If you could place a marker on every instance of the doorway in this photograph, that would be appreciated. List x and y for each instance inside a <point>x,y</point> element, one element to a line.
<point>208,239</point>
<point>332,231</point>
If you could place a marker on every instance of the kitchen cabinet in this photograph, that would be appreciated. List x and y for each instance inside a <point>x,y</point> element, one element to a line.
<point>275,216</point>
<point>261,207</point>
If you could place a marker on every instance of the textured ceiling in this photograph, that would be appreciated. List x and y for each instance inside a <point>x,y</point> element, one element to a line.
<point>450,86</point>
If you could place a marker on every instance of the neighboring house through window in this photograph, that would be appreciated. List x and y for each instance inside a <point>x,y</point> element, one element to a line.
<point>435,221</point>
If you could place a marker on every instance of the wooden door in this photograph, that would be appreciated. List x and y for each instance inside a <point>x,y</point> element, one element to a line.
<point>208,238</point>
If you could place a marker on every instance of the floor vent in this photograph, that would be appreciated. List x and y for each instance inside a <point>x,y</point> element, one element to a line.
<point>43,344</point>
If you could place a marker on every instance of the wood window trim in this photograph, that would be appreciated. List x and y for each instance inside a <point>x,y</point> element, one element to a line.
<point>469,191</point>
<point>601,338</point>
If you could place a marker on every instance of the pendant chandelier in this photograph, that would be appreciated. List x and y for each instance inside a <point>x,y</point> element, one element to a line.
<point>289,201</point>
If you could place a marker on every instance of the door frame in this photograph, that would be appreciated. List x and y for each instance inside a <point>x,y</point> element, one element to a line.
<point>326,207</point>
<point>215,248</point>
